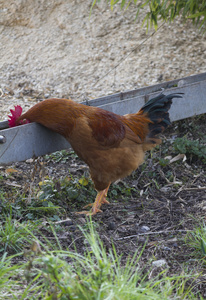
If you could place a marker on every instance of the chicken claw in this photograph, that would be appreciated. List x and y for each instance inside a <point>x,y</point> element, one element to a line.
<point>100,199</point>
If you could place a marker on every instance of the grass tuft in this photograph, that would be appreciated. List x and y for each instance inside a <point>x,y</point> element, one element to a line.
<point>97,274</point>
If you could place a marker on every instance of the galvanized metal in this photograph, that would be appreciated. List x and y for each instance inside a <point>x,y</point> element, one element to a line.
<point>192,103</point>
<point>4,125</point>
<point>32,140</point>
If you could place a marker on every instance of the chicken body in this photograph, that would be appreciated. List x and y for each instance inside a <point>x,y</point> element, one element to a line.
<point>111,145</point>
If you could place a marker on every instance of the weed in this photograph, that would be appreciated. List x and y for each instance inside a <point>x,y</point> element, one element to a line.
<point>13,235</point>
<point>121,189</point>
<point>197,240</point>
<point>67,191</point>
<point>163,162</point>
<point>192,149</point>
<point>96,275</point>
<point>61,156</point>
<point>8,273</point>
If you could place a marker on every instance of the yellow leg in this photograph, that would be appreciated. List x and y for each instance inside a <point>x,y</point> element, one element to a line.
<point>100,199</point>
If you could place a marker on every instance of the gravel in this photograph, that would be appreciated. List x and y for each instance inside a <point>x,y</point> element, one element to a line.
<point>56,49</point>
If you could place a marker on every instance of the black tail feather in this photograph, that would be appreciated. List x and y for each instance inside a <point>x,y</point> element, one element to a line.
<point>157,111</point>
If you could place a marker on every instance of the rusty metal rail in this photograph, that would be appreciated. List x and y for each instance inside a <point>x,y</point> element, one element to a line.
<point>32,140</point>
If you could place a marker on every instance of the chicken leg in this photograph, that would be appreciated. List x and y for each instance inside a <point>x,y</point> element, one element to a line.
<point>100,199</point>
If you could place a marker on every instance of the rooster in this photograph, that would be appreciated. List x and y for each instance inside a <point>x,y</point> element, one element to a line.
<point>113,146</point>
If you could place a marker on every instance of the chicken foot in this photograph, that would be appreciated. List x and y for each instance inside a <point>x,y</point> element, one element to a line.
<point>100,199</point>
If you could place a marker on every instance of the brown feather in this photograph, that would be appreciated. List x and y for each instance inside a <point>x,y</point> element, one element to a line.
<point>113,146</point>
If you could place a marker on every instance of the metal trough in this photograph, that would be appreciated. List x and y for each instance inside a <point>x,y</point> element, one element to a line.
<point>32,140</point>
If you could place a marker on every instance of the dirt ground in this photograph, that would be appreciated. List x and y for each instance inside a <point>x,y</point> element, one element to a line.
<point>56,49</point>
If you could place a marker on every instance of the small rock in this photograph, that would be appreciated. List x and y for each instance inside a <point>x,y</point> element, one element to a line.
<point>165,189</point>
<point>159,263</point>
<point>144,228</point>
<point>166,248</point>
<point>29,161</point>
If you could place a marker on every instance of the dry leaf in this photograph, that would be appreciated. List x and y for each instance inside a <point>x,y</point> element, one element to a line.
<point>84,181</point>
<point>35,247</point>
<point>176,158</point>
<point>11,170</point>
<point>43,182</point>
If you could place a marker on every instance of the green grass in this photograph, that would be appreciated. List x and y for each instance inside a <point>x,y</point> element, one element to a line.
<point>196,239</point>
<point>96,274</point>
<point>54,273</point>
<point>8,273</point>
<point>13,234</point>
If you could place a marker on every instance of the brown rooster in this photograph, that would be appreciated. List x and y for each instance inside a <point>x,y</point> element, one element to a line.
<point>113,146</point>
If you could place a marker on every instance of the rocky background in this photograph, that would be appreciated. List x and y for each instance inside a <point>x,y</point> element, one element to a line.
<point>56,49</point>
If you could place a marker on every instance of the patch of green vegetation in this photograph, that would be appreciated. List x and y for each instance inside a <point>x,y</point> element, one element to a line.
<point>61,156</point>
<point>13,200</point>
<point>49,199</point>
<point>191,148</point>
<point>121,189</point>
<point>197,240</point>
<point>13,234</point>
<point>96,274</point>
<point>163,162</point>
<point>24,205</point>
<point>71,192</point>
<point>8,273</point>
<point>66,192</point>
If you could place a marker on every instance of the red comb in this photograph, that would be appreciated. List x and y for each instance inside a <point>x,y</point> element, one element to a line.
<point>15,114</point>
